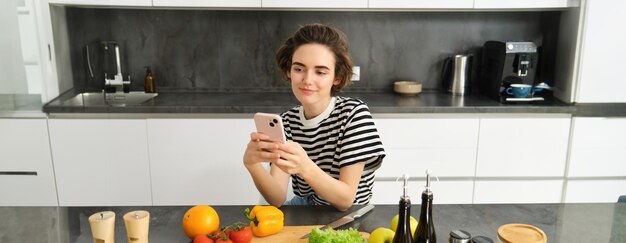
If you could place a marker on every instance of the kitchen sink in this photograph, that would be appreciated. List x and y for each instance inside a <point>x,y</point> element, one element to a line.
<point>114,99</point>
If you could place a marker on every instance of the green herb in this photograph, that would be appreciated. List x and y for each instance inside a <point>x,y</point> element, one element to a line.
<point>335,236</point>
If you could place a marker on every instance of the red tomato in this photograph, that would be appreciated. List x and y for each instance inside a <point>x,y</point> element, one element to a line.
<point>202,239</point>
<point>241,235</point>
<point>224,240</point>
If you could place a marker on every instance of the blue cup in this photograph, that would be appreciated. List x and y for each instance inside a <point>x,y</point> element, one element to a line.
<point>519,90</point>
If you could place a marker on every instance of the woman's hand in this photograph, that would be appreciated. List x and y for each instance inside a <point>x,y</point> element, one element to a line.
<point>260,149</point>
<point>293,159</point>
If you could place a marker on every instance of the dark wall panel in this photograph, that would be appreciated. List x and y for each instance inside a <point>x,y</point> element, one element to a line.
<point>202,50</point>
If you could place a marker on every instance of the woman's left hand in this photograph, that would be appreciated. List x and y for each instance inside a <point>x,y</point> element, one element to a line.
<point>293,159</point>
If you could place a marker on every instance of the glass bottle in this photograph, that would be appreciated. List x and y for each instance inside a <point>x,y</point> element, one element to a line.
<point>403,231</point>
<point>149,85</point>
<point>425,232</point>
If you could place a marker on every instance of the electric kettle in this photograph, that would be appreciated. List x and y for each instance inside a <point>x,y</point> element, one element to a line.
<point>456,74</point>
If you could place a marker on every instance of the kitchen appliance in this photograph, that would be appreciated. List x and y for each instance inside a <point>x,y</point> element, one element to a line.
<point>345,219</point>
<point>456,74</point>
<point>506,63</point>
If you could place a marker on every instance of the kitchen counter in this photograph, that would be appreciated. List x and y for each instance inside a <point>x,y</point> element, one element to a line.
<point>21,105</point>
<point>596,223</point>
<point>276,102</point>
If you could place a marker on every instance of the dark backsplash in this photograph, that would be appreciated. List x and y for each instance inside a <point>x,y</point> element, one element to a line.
<point>220,51</point>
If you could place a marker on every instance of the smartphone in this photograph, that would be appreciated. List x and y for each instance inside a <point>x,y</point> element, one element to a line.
<point>271,125</point>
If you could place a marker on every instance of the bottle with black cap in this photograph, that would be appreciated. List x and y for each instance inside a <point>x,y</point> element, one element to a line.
<point>403,231</point>
<point>425,232</point>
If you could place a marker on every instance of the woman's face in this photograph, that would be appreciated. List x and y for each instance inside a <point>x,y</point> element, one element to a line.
<point>312,75</point>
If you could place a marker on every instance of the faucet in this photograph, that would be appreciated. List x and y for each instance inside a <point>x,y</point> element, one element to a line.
<point>118,81</point>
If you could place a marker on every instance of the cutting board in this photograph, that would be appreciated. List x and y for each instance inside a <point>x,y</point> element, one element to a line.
<point>292,234</point>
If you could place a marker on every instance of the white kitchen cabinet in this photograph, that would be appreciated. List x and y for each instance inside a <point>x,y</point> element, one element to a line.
<point>447,146</point>
<point>208,3</point>
<point>444,192</point>
<point>594,191</point>
<point>101,162</point>
<point>522,147</point>
<point>602,53</point>
<point>199,161</point>
<point>314,4</point>
<point>597,166</point>
<point>597,147</point>
<point>421,4</point>
<point>524,4</point>
<point>26,173</point>
<point>111,3</point>
<point>518,191</point>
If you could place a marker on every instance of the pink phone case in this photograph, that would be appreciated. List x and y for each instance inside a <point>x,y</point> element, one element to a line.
<point>271,125</point>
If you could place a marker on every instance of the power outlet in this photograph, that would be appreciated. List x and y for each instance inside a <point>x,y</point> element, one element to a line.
<point>356,73</point>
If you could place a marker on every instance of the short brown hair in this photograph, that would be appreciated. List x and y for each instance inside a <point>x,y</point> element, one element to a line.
<point>325,35</point>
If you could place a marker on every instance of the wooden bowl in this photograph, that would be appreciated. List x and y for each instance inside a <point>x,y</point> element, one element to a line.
<point>407,87</point>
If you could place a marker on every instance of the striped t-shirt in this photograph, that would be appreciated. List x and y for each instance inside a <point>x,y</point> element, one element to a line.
<point>344,134</point>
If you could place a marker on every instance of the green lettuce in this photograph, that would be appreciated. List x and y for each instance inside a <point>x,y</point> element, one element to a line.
<point>335,236</point>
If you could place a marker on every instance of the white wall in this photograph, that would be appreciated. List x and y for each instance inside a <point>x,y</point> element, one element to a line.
<point>13,75</point>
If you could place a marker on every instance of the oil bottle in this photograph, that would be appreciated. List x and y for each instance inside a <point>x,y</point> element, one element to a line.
<point>403,231</point>
<point>149,85</point>
<point>425,232</point>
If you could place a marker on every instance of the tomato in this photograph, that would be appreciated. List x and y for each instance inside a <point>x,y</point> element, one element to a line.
<point>241,235</point>
<point>202,239</point>
<point>224,240</point>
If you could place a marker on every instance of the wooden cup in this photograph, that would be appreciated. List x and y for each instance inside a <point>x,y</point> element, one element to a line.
<point>137,226</point>
<point>103,227</point>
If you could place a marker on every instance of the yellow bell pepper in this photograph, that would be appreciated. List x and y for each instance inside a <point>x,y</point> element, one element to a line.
<point>265,220</point>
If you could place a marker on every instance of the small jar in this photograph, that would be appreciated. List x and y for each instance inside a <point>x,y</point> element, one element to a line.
<point>459,236</point>
<point>481,239</point>
<point>511,233</point>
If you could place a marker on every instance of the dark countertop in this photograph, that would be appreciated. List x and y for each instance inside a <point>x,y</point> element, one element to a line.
<point>562,223</point>
<point>275,102</point>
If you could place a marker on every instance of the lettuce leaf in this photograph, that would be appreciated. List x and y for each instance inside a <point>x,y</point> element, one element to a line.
<point>335,236</point>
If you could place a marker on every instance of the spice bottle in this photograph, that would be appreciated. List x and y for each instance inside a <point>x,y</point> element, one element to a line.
<point>149,85</point>
<point>425,232</point>
<point>403,231</point>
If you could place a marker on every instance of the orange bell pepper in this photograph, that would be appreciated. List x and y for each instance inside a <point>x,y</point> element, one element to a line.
<point>265,220</point>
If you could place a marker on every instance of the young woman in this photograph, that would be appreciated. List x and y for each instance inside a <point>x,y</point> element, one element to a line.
<point>333,146</point>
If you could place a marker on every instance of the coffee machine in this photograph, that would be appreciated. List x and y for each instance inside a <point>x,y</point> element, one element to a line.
<point>506,63</point>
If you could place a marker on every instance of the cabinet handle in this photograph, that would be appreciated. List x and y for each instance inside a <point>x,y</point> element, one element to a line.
<point>18,173</point>
<point>49,53</point>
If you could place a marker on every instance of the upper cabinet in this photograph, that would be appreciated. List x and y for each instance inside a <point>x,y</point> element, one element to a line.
<point>208,3</point>
<point>524,4</point>
<point>112,3</point>
<point>330,4</point>
<point>422,4</point>
<point>602,53</point>
<point>315,4</point>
